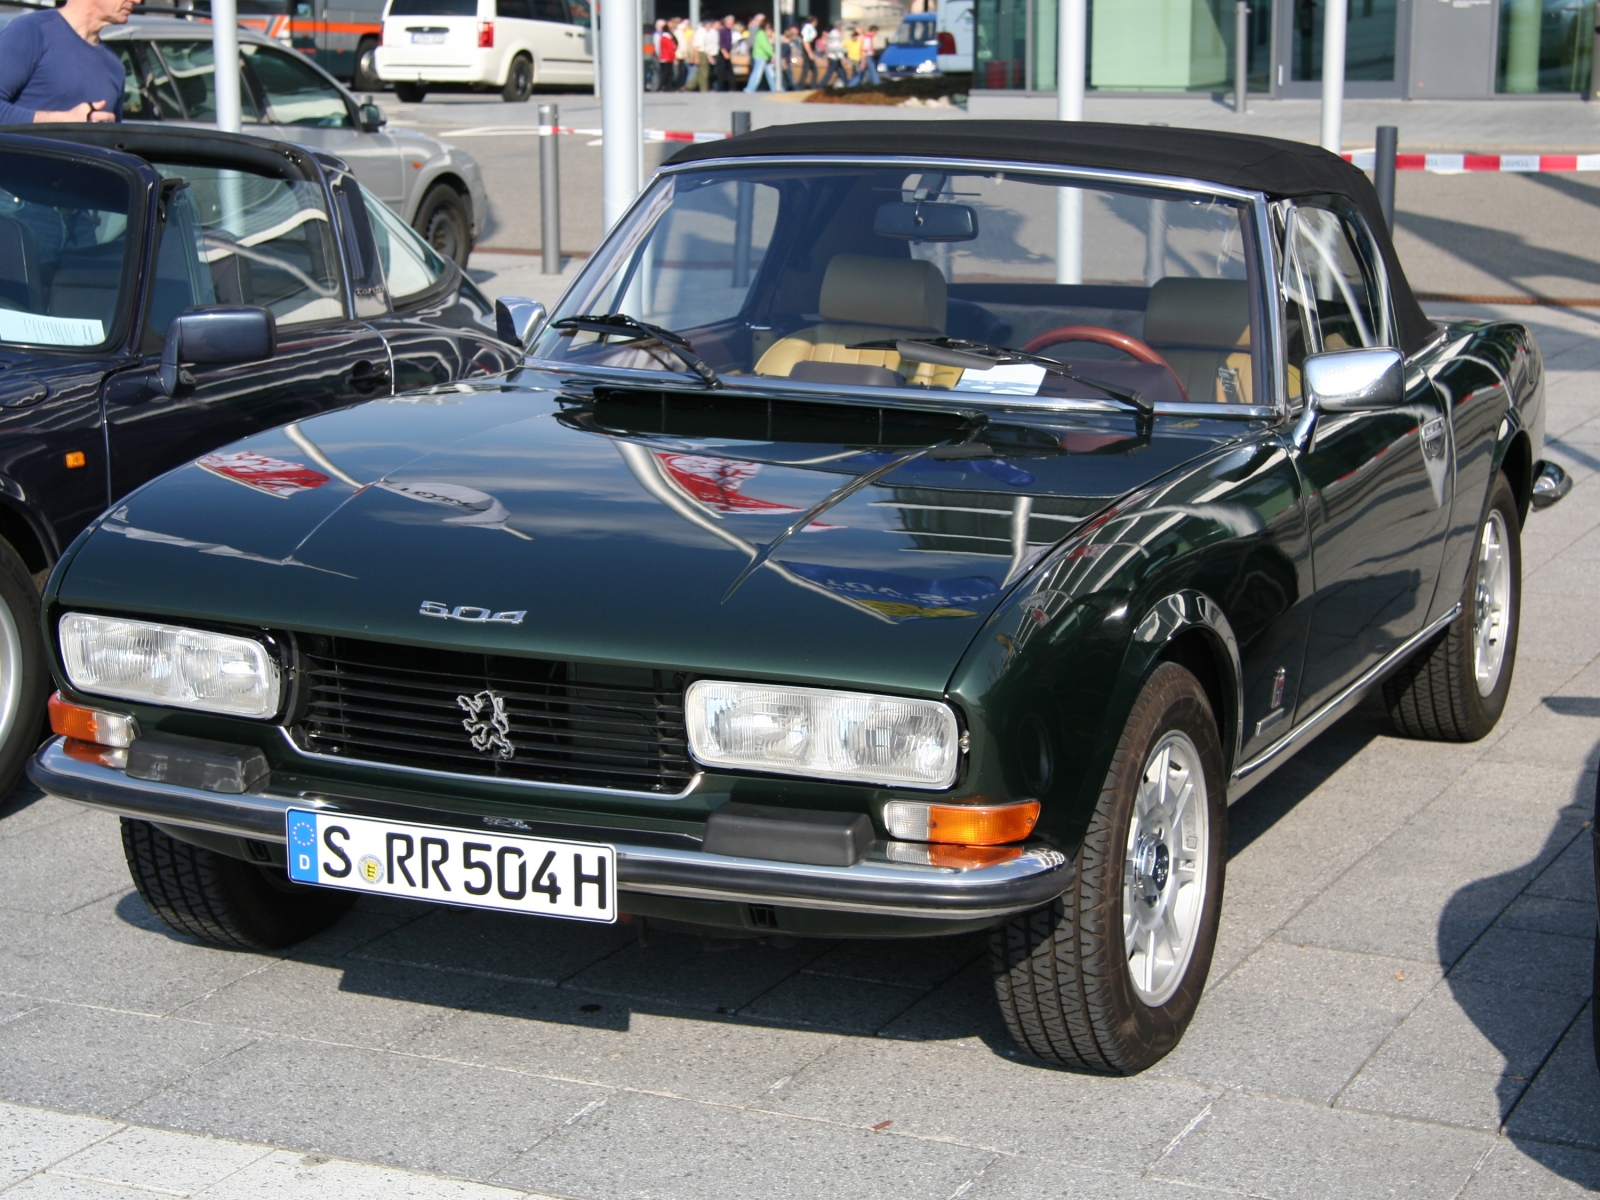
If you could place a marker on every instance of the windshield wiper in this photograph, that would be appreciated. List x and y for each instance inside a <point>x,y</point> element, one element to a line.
<point>980,356</point>
<point>622,323</point>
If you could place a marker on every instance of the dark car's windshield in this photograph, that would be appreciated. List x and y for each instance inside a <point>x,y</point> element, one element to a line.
<point>789,271</point>
<point>63,243</point>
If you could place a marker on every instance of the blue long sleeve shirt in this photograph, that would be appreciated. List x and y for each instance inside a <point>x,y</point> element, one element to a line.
<point>46,67</point>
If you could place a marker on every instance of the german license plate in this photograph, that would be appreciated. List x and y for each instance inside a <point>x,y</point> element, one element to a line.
<point>428,39</point>
<point>576,880</point>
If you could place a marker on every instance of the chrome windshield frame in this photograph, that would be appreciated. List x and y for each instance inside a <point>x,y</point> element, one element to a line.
<point>1266,292</point>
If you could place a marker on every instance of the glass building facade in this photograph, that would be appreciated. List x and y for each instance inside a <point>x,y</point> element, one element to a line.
<point>1392,50</point>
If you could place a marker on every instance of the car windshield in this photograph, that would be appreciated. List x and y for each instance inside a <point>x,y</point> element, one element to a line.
<point>63,248</point>
<point>842,275</point>
<point>914,33</point>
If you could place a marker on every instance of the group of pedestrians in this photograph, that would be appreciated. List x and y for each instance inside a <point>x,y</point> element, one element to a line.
<point>809,55</point>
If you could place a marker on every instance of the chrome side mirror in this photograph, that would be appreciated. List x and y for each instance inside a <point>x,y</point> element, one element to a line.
<point>1349,381</point>
<point>213,337</point>
<point>1356,380</point>
<point>518,321</point>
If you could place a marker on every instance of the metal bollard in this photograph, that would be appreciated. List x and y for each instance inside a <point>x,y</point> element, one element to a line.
<point>1241,57</point>
<point>550,189</point>
<point>1383,170</point>
<point>741,122</point>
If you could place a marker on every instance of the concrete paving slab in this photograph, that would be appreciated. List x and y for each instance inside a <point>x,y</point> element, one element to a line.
<point>1557,627</point>
<point>964,1095</point>
<point>288,1175</point>
<point>31,1139</point>
<point>1545,962</point>
<point>914,962</point>
<point>1563,1103</point>
<point>357,1003</point>
<point>32,860</point>
<point>1571,875</point>
<point>27,808</point>
<point>100,1060</point>
<point>1517,1169</point>
<point>1431,1092</point>
<point>677,970</point>
<point>1482,1027</point>
<point>1291,1150</point>
<point>960,1011</point>
<point>116,954</point>
<point>1544,914</point>
<point>1041,1179</point>
<point>829,1002</point>
<point>159,1160</point>
<point>365,1104</point>
<point>545,1031</point>
<point>499,945</point>
<point>52,1186</point>
<point>702,1152</point>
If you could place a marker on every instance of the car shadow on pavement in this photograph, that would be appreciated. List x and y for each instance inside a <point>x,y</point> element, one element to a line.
<point>1518,949</point>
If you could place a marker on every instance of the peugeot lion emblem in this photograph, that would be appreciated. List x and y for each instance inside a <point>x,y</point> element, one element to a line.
<point>487,722</point>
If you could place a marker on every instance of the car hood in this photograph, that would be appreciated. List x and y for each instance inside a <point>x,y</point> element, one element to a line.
<point>507,518</point>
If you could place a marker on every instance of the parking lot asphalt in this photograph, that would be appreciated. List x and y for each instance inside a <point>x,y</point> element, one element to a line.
<point>1399,1003</point>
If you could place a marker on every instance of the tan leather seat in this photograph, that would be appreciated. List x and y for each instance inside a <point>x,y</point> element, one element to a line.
<point>865,300</point>
<point>1202,328</point>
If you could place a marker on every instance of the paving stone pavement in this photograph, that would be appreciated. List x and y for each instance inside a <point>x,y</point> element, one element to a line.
<point>1400,1002</point>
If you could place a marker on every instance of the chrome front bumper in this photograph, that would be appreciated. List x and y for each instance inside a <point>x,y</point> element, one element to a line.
<point>873,886</point>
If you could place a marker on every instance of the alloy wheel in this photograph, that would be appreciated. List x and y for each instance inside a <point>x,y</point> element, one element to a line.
<point>1164,871</point>
<point>1491,604</point>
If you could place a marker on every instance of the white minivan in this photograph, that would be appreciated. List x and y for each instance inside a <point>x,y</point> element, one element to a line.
<point>512,45</point>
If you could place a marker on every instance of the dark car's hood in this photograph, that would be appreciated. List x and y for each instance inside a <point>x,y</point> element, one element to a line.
<point>618,544</point>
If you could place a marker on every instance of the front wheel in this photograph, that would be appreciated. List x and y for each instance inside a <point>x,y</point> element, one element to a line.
<point>24,671</point>
<point>221,900</point>
<point>519,81</point>
<point>1454,689</point>
<point>443,222</point>
<point>1107,978</point>
<point>410,93</point>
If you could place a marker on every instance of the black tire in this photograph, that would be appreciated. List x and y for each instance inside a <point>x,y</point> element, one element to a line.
<point>1062,974</point>
<point>25,679</point>
<point>221,900</point>
<point>519,81</point>
<point>1435,694</point>
<point>445,223</point>
<point>364,78</point>
<point>410,93</point>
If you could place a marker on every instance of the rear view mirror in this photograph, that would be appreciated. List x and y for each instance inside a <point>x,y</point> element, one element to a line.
<point>1355,380</point>
<point>518,320</point>
<point>919,221</point>
<point>214,337</point>
<point>372,118</point>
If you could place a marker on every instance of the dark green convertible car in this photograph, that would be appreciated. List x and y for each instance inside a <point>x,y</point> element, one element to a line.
<point>897,530</point>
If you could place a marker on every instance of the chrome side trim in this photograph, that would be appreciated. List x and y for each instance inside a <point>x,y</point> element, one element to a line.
<point>875,886</point>
<point>1279,752</point>
<point>531,784</point>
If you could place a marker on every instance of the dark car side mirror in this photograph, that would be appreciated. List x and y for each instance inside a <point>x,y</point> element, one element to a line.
<point>372,118</point>
<point>214,337</point>
<point>518,320</point>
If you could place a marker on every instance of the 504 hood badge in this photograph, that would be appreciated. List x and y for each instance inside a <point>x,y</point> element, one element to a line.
<point>488,724</point>
<point>470,612</point>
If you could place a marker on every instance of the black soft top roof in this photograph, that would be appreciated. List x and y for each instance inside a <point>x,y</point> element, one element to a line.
<point>1274,166</point>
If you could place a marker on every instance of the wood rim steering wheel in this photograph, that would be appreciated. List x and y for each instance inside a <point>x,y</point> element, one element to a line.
<point>1114,338</point>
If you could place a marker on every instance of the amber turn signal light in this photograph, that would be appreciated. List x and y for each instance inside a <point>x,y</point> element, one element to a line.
<point>91,724</point>
<point>961,824</point>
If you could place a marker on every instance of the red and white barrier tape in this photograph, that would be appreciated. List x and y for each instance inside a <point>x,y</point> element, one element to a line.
<point>1458,163</point>
<point>650,135</point>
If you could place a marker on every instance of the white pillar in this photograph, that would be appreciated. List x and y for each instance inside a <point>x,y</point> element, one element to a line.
<point>777,45</point>
<point>1335,22</point>
<point>225,54</point>
<point>621,94</point>
<point>1072,58</point>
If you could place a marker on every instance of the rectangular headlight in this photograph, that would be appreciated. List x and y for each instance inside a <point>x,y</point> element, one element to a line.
<point>823,734</point>
<point>167,664</point>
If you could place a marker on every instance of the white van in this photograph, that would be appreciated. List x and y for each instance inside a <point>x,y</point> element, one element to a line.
<point>955,36</point>
<point>512,45</point>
